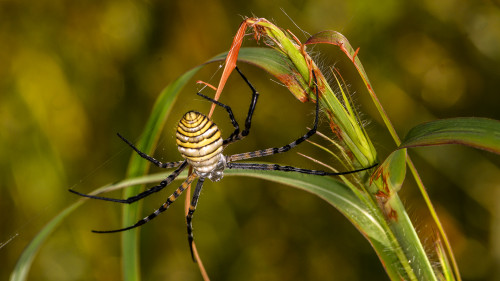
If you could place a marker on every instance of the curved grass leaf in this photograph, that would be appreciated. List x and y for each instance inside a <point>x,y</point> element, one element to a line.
<point>336,38</point>
<point>24,262</point>
<point>403,229</point>
<point>271,61</point>
<point>138,166</point>
<point>329,189</point>
<point>482,133</point>
<point>405,258</point>
<point>366,219</point>
<point>392,172</point>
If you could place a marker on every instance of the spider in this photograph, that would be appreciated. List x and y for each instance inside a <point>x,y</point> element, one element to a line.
<point>200,143</point>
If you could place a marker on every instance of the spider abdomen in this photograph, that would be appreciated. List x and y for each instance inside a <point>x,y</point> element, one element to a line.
<point>199,142</point>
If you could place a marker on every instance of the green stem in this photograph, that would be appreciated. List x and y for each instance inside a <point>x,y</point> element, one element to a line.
<point>434,215</point>
<point>410,242</point>
<point>138,167</point>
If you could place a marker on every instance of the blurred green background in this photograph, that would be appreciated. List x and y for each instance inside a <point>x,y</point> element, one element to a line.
<point>73,73</point>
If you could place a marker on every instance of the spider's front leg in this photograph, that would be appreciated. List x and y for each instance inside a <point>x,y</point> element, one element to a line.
<point>237,135</point>
<point>285,148</point>
<point>149,158</point>
<point>251,109</point>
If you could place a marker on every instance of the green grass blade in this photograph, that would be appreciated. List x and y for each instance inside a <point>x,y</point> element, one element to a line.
<point>331,190</point>
<point>447,269</point>
<point>24,262</point>
<point>23,265</point>
<point>392,254</point>
<point>138,166</point>
<point>365,218</point>
<point>480,133</point>
<point>336,38</point>
<point>392,172</point>
<point>403,230</point>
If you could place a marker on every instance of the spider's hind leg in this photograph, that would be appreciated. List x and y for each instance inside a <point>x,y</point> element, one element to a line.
<point>189,217</point>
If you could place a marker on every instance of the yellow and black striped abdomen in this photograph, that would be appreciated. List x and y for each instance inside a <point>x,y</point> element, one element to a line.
<point>199,141</point>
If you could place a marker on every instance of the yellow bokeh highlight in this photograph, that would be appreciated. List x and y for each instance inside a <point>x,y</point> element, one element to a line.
<point>44,88</point>
<point>443,85</point>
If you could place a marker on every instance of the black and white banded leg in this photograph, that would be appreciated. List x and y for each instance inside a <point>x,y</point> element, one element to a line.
<point>276,167</point>
<point>149,158</point>
<point>144,194</point>
<point>189,216</point>
<point>285,148</point>
<point>171,199</point>
<point>237,135</point>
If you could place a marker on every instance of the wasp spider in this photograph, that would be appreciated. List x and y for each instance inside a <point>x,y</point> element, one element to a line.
<point>200,143</point>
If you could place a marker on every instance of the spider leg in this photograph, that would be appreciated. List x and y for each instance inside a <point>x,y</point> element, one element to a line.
<point>189,217</point>
<point>275,167</point>
<point>285,148</point>
<point>149,158</point>
<point>248,120</point>
<point>237,135</point>
<point>171,199</point>
<point>141,195</point>
<point>229,111</point>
